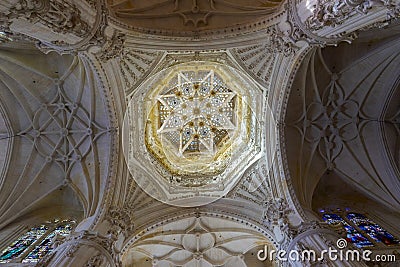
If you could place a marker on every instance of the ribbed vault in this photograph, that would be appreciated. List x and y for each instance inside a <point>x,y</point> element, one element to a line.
<point>342,129</point>
<point>55,134</point>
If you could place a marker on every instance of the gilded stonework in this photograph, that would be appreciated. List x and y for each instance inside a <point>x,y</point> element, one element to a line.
<point>194,116</point>
<point>191,130</point>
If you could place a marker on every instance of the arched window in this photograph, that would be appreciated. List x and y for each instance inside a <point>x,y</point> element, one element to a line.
<point>36,243</point>
<point>360,230</point>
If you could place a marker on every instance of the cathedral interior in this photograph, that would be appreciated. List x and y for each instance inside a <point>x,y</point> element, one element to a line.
<point>199,133</point>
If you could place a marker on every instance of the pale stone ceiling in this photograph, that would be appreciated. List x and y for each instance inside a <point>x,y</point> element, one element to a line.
<point>329,123</point>
<point>182,18</point>
<point>338,116</point>
<point>52,111</point>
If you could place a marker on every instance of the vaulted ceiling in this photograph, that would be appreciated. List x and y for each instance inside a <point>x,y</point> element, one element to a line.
<point>56,135</point>
<point>342,133</point>
<point>324,120</point>
<point>182,18</point>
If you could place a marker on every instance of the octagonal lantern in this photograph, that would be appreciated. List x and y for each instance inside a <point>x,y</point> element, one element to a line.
<point>191,130</point>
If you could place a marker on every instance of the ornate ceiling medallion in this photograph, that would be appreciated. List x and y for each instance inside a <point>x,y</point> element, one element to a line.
<point>196,128</point>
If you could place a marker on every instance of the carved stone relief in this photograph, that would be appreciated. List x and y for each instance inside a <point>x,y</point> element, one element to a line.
<point>78,26</point>
<point>95,261</point>
<point>320,22</point>
<point>276,212</point>
<point>113,47</point>
<point>60,16</point>
<point>121,220</point>
<point>334,13</point>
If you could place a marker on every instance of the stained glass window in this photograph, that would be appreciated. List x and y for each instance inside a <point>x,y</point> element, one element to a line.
<point>352,235</point>
<point>36,243</point>
<point>40,250</point>
<point>372,229</point>
<point>20,245</point>
<point>360,230</point>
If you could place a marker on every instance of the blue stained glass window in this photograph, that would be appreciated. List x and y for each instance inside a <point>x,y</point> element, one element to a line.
<point>40,250</point>
<point>372,229</point>
<point>352,235</point>
<point>21,244</point>
<point>356,238</point>
<point>45,246</point>
<point>332,218</point>
<point>35,244</point>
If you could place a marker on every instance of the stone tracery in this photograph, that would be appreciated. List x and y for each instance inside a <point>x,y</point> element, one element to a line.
<point>203,241</point>
<point>197,123</point>
<point>198,115</point>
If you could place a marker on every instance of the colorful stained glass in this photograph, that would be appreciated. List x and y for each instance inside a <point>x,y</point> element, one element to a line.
<point>45,246</point>
<point>35,244</point>
<point>64,230</point>
<point>372,229</point>
<point>40,250</point>
<point>352,235</point>
<point>332,218</point>
<point>18,247</point>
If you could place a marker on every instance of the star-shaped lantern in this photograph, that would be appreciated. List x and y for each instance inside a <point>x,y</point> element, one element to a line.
<point>197,114</point>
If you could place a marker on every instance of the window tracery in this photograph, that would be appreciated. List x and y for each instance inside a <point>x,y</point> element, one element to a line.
<point>36,242</point>
<point>360,230</point>
<point>375,231</point>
